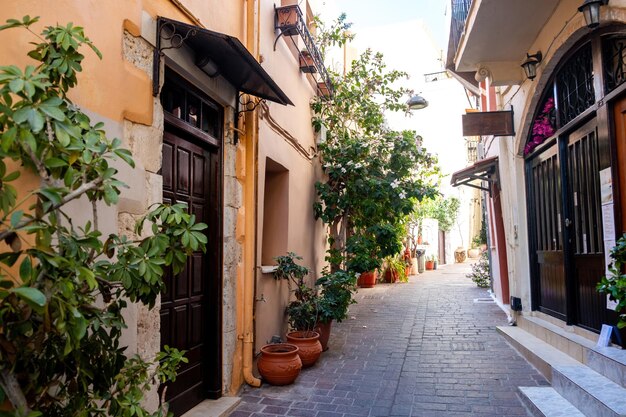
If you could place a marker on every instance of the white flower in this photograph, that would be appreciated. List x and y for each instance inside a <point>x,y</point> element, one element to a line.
<point>343,170</point>
<point>395,184</point>
<point>358,165</point>
<point>403,195</point>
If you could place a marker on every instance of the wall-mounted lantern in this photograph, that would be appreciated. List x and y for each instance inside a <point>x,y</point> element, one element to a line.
<point>591,10</point>
<point>531,63</point>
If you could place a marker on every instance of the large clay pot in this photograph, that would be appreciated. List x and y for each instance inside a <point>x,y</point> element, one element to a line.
<point>391,276</point>
<point>430,265</point>
<point>367,279</point>
<point>459,255</point>
<point>324,330</point>
<point>309,346</point>
<point>473,253</point>
<point>279,364</point>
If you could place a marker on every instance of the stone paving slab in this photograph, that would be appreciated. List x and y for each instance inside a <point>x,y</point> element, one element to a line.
<point>423,348</point>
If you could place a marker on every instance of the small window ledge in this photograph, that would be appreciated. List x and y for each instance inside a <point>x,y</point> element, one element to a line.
<point>268,269</point>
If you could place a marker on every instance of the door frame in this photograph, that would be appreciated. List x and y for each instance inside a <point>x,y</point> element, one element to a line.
<point>213,363</point>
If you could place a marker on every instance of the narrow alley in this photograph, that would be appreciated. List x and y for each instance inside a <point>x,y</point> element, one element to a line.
<point>424,348</point>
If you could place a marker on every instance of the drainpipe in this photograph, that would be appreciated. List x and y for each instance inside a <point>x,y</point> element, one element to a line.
<point>249,260</point>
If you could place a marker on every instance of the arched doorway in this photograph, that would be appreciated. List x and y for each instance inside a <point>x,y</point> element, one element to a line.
<point>568,148</point>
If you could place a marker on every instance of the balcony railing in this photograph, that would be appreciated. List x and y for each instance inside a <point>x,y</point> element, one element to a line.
<point>290,22</point>
<point>460,10</point>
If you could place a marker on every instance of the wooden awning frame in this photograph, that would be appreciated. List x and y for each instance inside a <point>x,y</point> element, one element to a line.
<point>483,170</point>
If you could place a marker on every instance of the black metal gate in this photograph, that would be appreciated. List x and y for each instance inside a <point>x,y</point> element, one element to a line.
<point>585,244</point>
<point>566,238</point>
<point>547,257</point>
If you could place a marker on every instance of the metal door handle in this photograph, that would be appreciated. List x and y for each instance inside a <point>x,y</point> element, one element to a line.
<point>568,222</point>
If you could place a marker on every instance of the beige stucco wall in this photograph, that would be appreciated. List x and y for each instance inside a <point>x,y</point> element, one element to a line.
<point>286,137</point>
<point>118,91</point>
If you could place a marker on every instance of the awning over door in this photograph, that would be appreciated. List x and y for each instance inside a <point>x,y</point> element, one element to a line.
<point>227,53</point>
<point>483,170</point>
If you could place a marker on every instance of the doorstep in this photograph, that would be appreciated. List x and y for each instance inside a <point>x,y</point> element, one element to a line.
<point>221,407</point>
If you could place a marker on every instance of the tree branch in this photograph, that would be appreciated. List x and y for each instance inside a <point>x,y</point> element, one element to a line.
<point>13,391</point>
<point>69,197</point>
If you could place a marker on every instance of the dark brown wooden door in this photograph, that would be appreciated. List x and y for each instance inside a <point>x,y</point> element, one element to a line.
<point>547,260</point>
<point>584,227</point>
<point>190,305</point>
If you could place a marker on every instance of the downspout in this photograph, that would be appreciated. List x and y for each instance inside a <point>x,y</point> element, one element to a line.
<point>249,260</point>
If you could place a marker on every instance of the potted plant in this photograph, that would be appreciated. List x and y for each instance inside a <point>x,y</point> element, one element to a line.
<point>306,62</point>
<point>430,263</point>
<point>395,269</point>
<point>302,312</point>
<point>336,297</point>
<point>615,283</point>
<point>279,363</point>
<point>287,19</point>
<point>361,250</point>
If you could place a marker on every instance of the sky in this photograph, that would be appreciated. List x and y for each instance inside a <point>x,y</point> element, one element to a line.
<point>372,13</point>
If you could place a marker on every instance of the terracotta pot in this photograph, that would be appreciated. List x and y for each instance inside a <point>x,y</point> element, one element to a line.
<point>306,63</point>
<point>391,276</point>
<point>430,265</point>
<point>324,330</point>
<point>279,364</point>
<point>367,279</point>
<point>473,253</point>
<point>459,255</point>
<point>309,346</point>
<point>407,269</point>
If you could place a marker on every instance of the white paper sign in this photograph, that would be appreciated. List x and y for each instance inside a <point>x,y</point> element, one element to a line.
<point>608,221</point>
<point>606,186</point>
<point>605,336</point>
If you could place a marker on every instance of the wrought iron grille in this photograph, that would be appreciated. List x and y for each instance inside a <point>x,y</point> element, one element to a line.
<point>574,84</point>
<point>460,10</point>
<point>614,61</point>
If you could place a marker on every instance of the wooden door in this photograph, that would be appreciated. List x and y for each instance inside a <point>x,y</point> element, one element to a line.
<point>190,305</point>
<point>619,184</point>
<point>545,214</point>
<point>584,227</point>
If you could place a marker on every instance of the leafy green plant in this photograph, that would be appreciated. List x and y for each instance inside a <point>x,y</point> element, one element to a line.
<point>481,274</point>
<point>303,311</point>
<point>395,265</point>
<point>373,174</point>
<point>615,283</point>
<point>336,295</point>
<point>62,298</point>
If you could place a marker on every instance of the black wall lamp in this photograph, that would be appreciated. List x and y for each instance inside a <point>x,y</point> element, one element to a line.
<point>531,63</point>
<point>591,11</point>
<point>207,66</point>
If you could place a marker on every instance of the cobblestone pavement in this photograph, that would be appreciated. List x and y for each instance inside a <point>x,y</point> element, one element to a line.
<point>424,348</point>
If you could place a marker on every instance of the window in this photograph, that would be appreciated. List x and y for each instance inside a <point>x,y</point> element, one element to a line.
<point>275,212</point>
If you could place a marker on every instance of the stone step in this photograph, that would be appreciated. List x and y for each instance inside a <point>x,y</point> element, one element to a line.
<point>542,355</point>
<point>221,407</point>
<point>609,361</point>
<point>546,402</point>
<point>590,392</point>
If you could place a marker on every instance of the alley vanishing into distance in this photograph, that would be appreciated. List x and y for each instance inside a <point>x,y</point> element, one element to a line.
<point>424,348</point>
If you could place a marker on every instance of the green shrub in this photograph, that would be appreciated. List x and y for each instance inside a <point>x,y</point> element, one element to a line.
<point>481,274</point>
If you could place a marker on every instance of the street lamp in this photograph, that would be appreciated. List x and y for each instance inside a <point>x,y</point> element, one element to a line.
<point>417,102</point>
